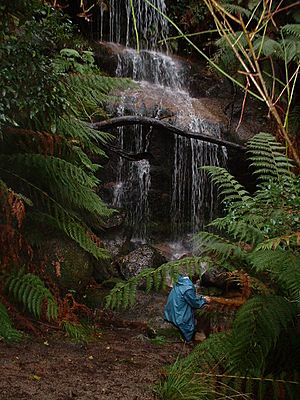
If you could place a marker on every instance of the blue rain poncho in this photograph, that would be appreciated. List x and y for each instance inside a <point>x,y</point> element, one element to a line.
<point>179,308</point>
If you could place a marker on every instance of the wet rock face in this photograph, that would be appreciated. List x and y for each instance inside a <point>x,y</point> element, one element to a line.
<point>144,257</point>
<point>214,277</point>
<point>68,265</point>
<point>118,246</point>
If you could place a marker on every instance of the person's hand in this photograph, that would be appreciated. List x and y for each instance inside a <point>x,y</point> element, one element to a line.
<point>207,302</point>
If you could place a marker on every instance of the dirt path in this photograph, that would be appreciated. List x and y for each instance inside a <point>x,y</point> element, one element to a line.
<point>122,364</point>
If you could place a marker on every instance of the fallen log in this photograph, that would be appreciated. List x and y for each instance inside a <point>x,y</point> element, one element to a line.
<point>171,129</point>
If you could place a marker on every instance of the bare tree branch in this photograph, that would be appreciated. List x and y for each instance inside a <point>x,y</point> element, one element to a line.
<point>171,129</point>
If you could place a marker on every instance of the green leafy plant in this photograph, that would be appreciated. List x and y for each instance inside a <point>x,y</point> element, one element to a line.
<point>29,290</point>
<point>51,92</point>
<point>258,234</point>
<point>7,331</point>
<point>123,295</point>
<point>78,332</point>
<point>46,142</point>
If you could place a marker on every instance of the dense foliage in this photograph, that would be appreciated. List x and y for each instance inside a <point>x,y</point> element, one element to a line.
<point>259,235</point>
<point>258,238</point>
<point>51,90</point>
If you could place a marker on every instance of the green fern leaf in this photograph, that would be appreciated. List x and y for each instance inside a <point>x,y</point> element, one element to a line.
<point>76,331</point>
<point>291,29</point>
<point>237,10</point>
<point>227,184</point>
<point>283,266</point>
<point>30,290</point>
<point>268,47</point>
<point>270,163</point>
<point>154,277</point>
<point>7,332</point>
<point>149,282</point>
<point>256,329</point>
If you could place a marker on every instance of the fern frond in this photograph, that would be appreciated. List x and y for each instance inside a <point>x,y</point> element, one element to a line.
<point>210,355</point>
<point>292,50</point>
<point>244,230</point>
<point>210,243</point>
<point>76,331</point>
<point>291,29</point>
<point>225,57</point>
<point>73,228</point>
<point>294,120</point>
<point>290,240</point>
<point>256,386</point>
<point>124,293</point>
<point>30,290</point>
<point>50,167</point>
<point>229,187</point>
<point>283,265</point>
<point>81,133</point>
<point>268,47</point>
<point>237,10</point>
<point>267,156</point>
<point>89,92</point>
<point>7,332</point>
<point>256,329</point>
<point>59,215</point>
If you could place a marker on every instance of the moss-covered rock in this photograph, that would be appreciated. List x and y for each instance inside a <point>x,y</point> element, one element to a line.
<point>67,264</point>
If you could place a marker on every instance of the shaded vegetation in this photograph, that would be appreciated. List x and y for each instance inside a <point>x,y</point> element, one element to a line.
<point>258,235</point>
<point>51,89</point>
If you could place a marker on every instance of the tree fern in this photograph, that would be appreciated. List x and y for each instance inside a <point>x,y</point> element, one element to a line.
<point>47,147</point>
<point>228,186</point>
<point>76,331</point>
<point>210,243</point>
<point>246,230</point>
<point>204,367</point>
<point>7,331</point>
<point>64,181</point>
<point>292,29</point>
<point>72,227</point>
<point>268,158</point>
<point>259,357</point>
<point>283,266</point>
<point>256,329</point>
<point>236,9</point>
<point>124,293</point>
<point>30,290</point>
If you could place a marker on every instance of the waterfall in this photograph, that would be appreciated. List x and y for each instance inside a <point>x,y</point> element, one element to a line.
<point>193,201</point>
<point>118,21</point>
<point>151,66</point>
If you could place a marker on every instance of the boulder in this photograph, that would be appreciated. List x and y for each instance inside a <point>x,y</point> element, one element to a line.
<point>215,277</point>
<point>103,270</point>
<point>143,257</point>
<point>118,245</point>
<point>69,266</point>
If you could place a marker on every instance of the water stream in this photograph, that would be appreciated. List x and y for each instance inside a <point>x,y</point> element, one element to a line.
<point>163,79</point>
<point>114,23</point>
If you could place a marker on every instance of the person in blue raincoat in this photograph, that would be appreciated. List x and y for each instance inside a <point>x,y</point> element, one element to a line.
<point>180,304</point>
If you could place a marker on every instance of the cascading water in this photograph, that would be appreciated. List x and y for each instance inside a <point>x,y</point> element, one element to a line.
<point>192,195</point>
<point>133,181</point>
<point>118,20</point>
<point>194,199</point>
<point>151,66</point>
